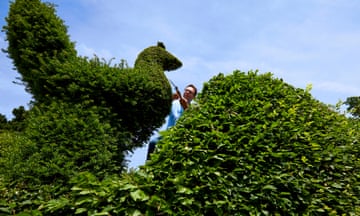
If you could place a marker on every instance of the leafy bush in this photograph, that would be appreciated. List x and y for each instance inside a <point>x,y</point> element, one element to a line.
<point>256,145</point>
<point>86,114</point>
<point>59,141</point>
<point>13,147</point>
<point>253,146</point>
<point>51,70</point>
<point>127,194</point>
<point>36,35</point>
<point>139,97</point>
<point>353,106</point>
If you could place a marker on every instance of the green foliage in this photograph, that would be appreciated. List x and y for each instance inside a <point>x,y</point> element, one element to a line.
<point>114,195</point>
<point>18,122</point>
<point>13,148</point>
<point>256,145</point>
<point>126,91</point>
<point>145,60</point>
<point>15,124</point>
<point>74,138</point>
<point>36,35</point>
<point>353,104</point>
<point>3,122</point>
<point>47,61</point>
<point>87,115</point>
<point>59,141</point>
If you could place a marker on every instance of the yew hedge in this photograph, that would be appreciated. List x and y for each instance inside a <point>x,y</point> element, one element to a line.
<point>254,145</point>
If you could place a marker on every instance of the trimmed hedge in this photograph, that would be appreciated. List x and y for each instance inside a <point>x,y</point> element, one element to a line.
<point>257,145</point>
<point>254,145</point>
<point>36,35</point>
<point>86,115</point>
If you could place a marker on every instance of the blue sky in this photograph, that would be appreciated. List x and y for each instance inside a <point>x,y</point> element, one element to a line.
<point>301,41</point>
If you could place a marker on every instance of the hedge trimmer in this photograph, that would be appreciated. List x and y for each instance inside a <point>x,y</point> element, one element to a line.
<point>183,101</point>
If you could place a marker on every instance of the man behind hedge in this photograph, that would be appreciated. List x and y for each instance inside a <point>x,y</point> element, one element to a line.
<point>179,104</point>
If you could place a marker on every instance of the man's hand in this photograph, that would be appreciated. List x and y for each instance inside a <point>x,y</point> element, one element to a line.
<point>175,96</point>
<point>184,103</point>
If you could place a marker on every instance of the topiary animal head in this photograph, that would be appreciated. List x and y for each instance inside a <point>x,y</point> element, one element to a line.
<point>159,56</point>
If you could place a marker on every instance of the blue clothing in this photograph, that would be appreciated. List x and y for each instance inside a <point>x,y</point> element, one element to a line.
<point>175,113</point>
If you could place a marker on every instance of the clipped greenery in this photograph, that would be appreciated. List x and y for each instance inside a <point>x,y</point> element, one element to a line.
<point>36,35</point>
<point>86,115</point>
<point>51,70</point>
<point>63,138</point>
<point>258,145</point>
<point>66,139</point>
<point>139,98</point>
<point>254,145</point>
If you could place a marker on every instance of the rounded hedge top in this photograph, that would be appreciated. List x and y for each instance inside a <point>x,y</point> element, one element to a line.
<point>256,144</point>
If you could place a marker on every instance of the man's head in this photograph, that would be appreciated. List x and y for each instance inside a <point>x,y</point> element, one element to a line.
<point>190,92</point>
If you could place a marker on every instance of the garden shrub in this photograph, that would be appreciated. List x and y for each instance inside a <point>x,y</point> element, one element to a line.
<point>87,114</point>
<point>254,145</point>
<point>139,98</point>
<point>36,35</point>
<point>50,69</point>
<point>257,145</point>
<point>13,148</point>
<point>60,140</point>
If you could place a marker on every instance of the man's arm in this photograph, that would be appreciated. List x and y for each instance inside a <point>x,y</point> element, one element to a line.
<point>175,113</point>
<point>183,101</point>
